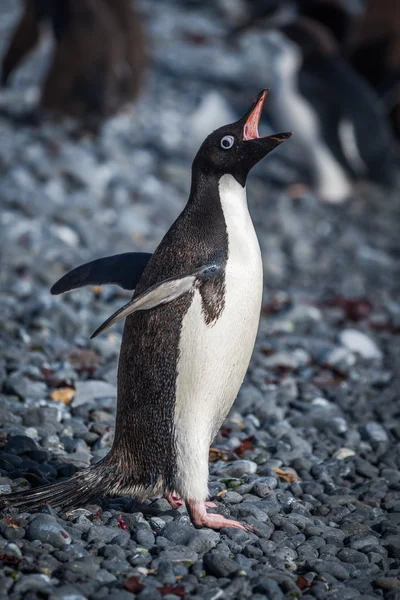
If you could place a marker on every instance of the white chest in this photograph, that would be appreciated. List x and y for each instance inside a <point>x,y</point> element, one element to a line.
<point>214,358</point>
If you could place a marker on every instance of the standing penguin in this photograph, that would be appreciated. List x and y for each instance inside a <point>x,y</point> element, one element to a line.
<point>188,337</point>
<point>98,56</point>
<point>334,111</point>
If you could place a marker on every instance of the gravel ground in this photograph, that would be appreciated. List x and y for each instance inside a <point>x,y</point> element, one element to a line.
<point>310,453</point>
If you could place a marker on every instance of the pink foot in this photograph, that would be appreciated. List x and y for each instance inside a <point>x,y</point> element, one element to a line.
<point>176,501</point>
<point>200,518</point>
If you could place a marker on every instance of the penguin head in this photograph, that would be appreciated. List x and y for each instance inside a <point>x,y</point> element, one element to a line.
<point>236,148</point>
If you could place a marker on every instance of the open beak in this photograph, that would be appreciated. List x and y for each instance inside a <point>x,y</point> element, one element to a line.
<point>250,129</point>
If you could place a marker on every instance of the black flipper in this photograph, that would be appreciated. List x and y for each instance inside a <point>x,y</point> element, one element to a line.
<point>161,293</point>
<point>124,270</point>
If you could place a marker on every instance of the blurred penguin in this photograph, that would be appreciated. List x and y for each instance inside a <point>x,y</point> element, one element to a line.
<point>333,111</point>
<point>326,175</point>
<point>98,57</point>
<point>374,51</point>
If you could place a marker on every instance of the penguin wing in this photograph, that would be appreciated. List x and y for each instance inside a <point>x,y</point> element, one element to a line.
<point>161,293</point>
<point>124,270</point>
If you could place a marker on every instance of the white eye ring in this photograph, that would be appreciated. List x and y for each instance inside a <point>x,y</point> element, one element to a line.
<point>227,142</point>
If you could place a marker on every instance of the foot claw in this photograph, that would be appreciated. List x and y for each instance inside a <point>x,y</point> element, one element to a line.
<point>201,518</point>
<point>215,521</point>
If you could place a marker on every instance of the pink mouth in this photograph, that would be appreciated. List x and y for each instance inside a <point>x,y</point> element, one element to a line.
<point>250,130</point>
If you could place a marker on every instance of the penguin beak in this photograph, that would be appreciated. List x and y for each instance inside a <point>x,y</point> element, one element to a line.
<point>250,129</point>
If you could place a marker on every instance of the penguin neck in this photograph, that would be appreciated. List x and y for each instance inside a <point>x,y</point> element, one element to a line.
<point>218,207</point>
<point>213,191</point>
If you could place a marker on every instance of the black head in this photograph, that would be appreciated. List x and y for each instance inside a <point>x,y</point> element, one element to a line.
<point>235,149</point>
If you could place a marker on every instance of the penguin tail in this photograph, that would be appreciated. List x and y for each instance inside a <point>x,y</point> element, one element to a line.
<point>71,493</point>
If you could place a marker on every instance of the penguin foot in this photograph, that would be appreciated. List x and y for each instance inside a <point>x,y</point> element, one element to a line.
<point>200,518</point>
<point>176,501</point>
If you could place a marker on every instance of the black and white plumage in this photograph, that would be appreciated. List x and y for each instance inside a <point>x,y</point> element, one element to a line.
<point>188,337</point>
<point>332,107</point>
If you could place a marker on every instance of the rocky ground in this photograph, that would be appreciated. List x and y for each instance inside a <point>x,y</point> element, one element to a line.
<point>310,453</point>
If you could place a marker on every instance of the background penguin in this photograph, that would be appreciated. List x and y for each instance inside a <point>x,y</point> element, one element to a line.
<point>98,55</point>
<point>188,338</point>
<point>332,108</point>
<point>374,51</point>
<point>313,154</point>
<point>345,107</point>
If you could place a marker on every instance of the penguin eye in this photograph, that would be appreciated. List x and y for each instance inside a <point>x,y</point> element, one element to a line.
<point>227,142</point>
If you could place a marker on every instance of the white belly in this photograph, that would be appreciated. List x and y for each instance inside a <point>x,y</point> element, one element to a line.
<point>214,358</point>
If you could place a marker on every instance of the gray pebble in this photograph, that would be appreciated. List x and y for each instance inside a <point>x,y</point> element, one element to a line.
<point>237,469</point>
<point>203,540</point>
<point>348,555</point>
<point>387,583</point>
<point>120,595</point>
<point>46,529</point>
<point>179,555</point>
<point>358,342</point>
<point>103,534</point>
<point>338,570</point>
<point>358,542</point>
<point>219,565</point>
<point>246,509</point>
<point>66,592</point>
<point>392,543</point>
<point>231,498</point>
<point>144,536</point>
<point>270,588</point>
<point>374,432</point>
<point>32,583</point>
<point>87,392</point>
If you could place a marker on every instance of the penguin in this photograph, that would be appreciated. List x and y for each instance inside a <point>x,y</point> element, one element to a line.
<point>334,110</point>
<point>342,103</point>
<point>374,51</point>
<point>98,56</point>
<point>188,337</point>
<point>98,59</point>
<point>314,154</point>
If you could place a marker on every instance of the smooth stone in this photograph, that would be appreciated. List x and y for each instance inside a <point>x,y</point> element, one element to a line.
<point>358,342</point>
<point>46,529</point>
<point>220,565</point>
<point>179,555</point>
<point>32,583</point>
<point>88,392</point>
<point>238,469</point>
<point>392,542</point>
<point>374,432</point>
<point>343,453</point>
<point>66,592</point>
<point>20,444</point>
